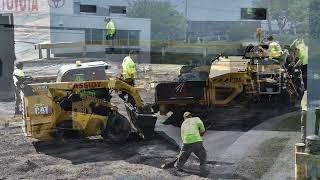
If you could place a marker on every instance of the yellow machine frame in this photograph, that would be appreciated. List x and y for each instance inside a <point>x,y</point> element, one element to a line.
<point>43,113</point>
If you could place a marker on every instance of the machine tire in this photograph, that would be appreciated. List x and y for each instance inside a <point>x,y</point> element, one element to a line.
<point>118,128</point>
<point>64,131</point>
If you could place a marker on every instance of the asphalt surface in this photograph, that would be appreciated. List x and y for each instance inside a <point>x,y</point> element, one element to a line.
<point>264,152</point>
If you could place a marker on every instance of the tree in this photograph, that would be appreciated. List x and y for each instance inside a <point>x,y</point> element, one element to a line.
<point>166,22</point>
<point>293,13</point>
<point>314,21</point>
<point>298,14</point>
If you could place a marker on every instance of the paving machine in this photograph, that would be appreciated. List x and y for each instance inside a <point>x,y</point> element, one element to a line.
<point>79,104</point>
<point>227,81</point>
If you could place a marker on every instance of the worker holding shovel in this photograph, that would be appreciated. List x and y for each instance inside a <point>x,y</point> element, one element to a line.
<point>192,130</point>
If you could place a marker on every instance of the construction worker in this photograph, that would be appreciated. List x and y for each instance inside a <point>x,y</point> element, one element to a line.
<point>304,109</point>
<point>129,70</point>
<point>110,33</point>
<point>192,129</point>
<point>110,29</point>
<point>18,79</point>
<point>303,59</point>
<point>274,51</point>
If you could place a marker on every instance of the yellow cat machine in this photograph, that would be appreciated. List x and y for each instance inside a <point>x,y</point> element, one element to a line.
<point>79,104</point>
<point>226,81</point>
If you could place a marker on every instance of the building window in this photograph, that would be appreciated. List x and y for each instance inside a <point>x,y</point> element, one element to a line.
<point>134,38</point>
<point>118,9</point>
<point>253,13</point>
<point>97,36</point>
<point>122,38</point>
<point>94,36</point>
<point>128,37</point>
<point>88,8</point>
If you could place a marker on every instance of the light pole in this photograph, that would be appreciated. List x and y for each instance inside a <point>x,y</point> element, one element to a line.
<point>186,16</point>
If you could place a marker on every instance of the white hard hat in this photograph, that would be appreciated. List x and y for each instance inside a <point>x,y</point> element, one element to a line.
<point>186,114</point>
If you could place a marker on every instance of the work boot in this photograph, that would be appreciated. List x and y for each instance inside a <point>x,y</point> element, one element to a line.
<point>178,168</point>
<point>169,164</point>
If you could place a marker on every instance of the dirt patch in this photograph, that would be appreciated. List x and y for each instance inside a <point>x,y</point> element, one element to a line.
<point>94,158</point>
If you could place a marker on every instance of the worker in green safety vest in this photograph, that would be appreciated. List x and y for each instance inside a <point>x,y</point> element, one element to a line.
<point>110,33</point>
<point>304,108</point>
<point>303,58</point>
<point>18,79</point>
<point>192,130</point>
<point>110,29</point>
<point>129,71</point>
<point>274,50</point>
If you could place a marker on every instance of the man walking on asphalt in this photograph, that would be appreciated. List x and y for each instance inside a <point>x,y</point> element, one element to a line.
<point>192,129</point>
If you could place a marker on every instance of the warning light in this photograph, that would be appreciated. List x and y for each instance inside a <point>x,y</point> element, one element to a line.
<point>78,63</point>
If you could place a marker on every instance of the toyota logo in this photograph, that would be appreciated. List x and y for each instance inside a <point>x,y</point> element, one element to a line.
<point>56,3</point>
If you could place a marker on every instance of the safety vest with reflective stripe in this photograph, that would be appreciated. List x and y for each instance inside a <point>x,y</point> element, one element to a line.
<point>303,52</point>
<point>128,68</point>
<point>18,73</point>
<point>274,50</point>
<point>191,129</point>
<point>111,28</point>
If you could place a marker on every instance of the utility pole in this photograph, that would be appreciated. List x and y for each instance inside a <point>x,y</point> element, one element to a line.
<point>186,16</point>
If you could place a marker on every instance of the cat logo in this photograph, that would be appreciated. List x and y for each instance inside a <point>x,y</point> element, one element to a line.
<point>41,109</point>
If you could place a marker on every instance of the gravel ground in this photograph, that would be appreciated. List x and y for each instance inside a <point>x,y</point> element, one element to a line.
<point>26,158</point>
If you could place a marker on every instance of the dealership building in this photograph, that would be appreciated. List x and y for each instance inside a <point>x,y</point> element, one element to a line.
<point>83,21</point>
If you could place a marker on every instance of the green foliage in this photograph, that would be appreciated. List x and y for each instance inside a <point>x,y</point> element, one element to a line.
<point>292,13</point>
<point>285,39</point>
<point>314,19</point>
<point>166,22</point>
